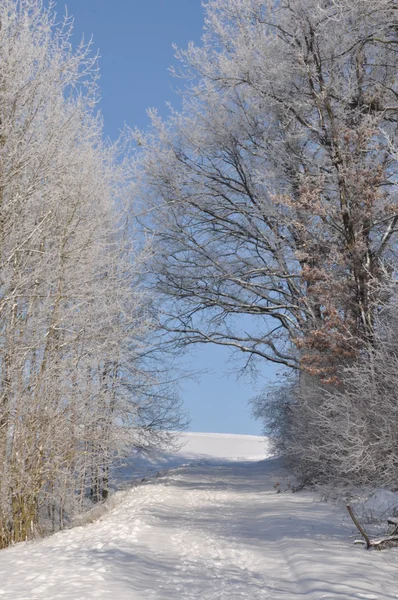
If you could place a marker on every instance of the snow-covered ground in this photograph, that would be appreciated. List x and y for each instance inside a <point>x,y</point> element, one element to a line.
<point>194,447</point>
<point>215,529</point>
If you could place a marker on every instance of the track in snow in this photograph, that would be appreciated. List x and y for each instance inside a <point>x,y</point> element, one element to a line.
<point>216,530</point>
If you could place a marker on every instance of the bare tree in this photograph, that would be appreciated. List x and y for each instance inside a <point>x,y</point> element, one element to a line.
<point>274,190</point>
<point>76,381</point>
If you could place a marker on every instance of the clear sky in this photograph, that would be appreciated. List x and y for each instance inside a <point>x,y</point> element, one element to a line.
<point>134,39</point>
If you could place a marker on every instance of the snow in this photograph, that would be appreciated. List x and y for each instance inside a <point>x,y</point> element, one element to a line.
<point>376,506</point>
<point>195,447</point>
<point>213,527</point>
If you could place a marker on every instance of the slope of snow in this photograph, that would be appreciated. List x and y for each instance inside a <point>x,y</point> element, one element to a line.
<point>193,448</point>
<point>223,445</point>
<point>216,530</point>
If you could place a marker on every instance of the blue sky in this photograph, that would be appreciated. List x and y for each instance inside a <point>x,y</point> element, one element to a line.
<point>134,39</point>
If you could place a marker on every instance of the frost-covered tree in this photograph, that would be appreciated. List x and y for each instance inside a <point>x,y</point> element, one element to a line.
<point>274,189</point>
<point>77,384</point>
<point>342,437</point>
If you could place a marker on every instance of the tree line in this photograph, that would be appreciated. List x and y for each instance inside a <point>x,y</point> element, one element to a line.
<point>79,381</point>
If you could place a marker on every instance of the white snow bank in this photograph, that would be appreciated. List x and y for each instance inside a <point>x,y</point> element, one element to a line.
<point>194,447</point>
<point>224,445</point>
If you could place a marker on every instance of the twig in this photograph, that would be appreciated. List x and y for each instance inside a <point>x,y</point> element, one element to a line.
<point>359,527</point>
<point>372,543</point>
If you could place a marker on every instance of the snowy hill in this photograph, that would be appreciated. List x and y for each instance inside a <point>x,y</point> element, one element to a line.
<point>224,445</point>
<point>195,447</point>
<point>214,529</point>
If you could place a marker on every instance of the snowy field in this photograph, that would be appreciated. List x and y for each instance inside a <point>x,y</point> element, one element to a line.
<point>211,526</point>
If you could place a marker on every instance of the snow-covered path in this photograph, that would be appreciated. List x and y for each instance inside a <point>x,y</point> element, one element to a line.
<point>213,530</point>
